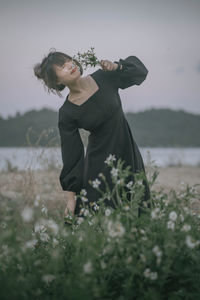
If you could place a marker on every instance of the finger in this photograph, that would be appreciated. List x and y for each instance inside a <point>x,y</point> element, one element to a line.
<point>113,66</point>
<point>106,65</point>
<point>110,66</point>
<point>104,62</point>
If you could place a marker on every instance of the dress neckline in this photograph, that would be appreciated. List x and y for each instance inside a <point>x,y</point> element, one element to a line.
<point>86,101</point>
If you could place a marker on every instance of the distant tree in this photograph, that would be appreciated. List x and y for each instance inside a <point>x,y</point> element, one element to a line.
<point>150,128</point>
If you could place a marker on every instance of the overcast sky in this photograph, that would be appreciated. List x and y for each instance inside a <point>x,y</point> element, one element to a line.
<point>164,35</point>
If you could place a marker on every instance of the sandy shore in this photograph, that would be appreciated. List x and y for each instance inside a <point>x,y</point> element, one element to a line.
<point>27,185</point>
<point>175,177</point>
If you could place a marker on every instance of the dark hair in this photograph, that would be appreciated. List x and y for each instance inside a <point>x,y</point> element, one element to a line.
<point>46,72</point>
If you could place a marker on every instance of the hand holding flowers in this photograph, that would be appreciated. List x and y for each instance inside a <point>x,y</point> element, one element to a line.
<point>89,58</point>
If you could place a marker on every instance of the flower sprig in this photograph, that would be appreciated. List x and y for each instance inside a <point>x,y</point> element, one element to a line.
<point>87,58</point>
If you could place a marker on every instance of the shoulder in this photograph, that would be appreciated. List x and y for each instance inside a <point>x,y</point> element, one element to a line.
<point>103,75</point>
<point>95,73</point>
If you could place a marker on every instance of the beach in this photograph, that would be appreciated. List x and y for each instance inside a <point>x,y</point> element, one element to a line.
<point>26,186</point>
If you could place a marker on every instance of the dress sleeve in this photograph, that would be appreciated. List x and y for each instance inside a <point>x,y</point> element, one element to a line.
<point>133,72</point>
<point>72,151</point>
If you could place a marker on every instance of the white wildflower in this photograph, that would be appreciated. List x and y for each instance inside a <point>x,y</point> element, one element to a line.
<point>158,196</point>
<point>170,225</point>
<point>44,209</point>
<point>107,196</point>
<point>96,183</point>
<point>27,214</point>
<point>126,207</point>
<point>114,172</point>
<point>31,243</point>
<point>37,200</point>
<point>48,278</point>
<point>190,242</point>
<point>84,199</point>
<point>139,182</point>
<point>186,209</point>
<point>96,207</point>
<point>153,275</point>
<point>53,226</point>
<point>156,250</point>
<point>44,237</point>
<point>166,202</point>
<point>110,159</point>
<point>100,175</point>
<point>181,217</point>
<point>90,223</point>
<point>147,272</point>
<point>79,220</point>
<point>3,225</point>
<point>39,228</point>
<point>83,192</point>
<point>55,242</point>
<point>120,181</point>
<point>107,212</point>
<point>88,267</point>
<point>173,216</point>
<point>129,184</point>
<point>84,211</point>
<point>193,189</point>
<point>186,227</point>
<point>115,229</point>
<point>155,213</point>
<point>182,183</point>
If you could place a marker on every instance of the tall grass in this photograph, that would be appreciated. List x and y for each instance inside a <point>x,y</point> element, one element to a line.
<point>106,254</point>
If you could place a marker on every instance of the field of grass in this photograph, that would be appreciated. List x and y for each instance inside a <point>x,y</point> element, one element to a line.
<point>108,254</point>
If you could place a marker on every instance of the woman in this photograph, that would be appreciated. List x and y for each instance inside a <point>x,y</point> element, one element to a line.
<point>94,104</point>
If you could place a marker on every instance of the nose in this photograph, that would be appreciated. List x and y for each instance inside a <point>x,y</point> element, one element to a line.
<point>71,65</point>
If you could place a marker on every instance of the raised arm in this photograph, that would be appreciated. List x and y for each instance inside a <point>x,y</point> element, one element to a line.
<point>131,71</point>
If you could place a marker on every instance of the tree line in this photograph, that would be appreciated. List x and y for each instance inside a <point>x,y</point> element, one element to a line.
<point>150,128</point>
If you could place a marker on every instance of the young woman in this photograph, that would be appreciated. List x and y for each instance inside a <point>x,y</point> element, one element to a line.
<point>94,104</point>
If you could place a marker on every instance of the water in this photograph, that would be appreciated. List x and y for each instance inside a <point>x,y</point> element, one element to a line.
<point>40,158</point>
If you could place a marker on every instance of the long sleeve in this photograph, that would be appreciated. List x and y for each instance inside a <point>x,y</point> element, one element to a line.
<point>72,150</point>
<point>133,72</point>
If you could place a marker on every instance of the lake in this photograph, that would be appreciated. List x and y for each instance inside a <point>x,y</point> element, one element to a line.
<point>40,158</point>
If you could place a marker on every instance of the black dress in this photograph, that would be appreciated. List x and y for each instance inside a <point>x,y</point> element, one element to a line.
<point>102,115</point>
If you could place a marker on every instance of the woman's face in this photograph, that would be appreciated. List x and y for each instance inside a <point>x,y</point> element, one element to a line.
<point>64,72</point>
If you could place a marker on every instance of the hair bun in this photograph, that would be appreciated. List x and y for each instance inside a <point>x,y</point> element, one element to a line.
<point>37,71</point>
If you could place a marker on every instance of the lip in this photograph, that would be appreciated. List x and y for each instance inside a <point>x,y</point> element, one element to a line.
<point>74,69</point>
